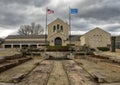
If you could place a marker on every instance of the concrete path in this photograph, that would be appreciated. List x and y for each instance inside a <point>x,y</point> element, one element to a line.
<point>58,75</point>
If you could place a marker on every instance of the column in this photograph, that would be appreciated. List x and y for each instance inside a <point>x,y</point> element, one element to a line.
<point>11,45</point>
<point>113,44</point>
<point>20,46</point>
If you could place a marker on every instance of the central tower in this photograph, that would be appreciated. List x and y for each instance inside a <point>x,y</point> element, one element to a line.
<point>58,33</point>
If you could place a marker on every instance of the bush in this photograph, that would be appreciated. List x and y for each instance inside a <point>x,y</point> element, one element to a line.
<point>92,49</point>
<point>70,44</point>
<point>33,49</point>
<point>57,48</point>
<point>23,51</point>
<point>103,48</point>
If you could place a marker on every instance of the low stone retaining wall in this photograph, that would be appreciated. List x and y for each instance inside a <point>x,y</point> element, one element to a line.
<point>2,60</point>
<point>9,64</point>
<point>17,56</point>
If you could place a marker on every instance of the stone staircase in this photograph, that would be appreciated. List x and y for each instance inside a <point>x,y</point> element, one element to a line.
<point>57,54</point>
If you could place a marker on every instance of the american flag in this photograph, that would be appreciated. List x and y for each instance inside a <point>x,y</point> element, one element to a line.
<point>49,11</point>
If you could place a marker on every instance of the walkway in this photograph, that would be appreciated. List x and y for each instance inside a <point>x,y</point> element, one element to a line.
<point>58,75</point>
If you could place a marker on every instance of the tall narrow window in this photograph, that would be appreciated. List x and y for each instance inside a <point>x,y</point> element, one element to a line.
<point>54,28</point>
<point>58,28</point>
<point>61,28</point>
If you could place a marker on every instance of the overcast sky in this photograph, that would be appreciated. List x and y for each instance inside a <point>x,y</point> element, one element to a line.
<point>92,13</point>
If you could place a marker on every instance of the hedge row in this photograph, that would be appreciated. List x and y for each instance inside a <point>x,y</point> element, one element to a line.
<point>103,48</point>
<point>58,48</point>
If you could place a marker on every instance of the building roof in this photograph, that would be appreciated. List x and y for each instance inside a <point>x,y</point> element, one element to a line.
<point>75,37</point>
<point>25,36</point>
<point>58,19</point>
<point>97,28</point>
<point>18,42</point>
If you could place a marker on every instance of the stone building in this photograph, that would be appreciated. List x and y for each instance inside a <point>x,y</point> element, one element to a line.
<point>117,42</point>
<point>75,40</point>
<point>20,41</point>
<point>96,38</point>
<point>58,34</point>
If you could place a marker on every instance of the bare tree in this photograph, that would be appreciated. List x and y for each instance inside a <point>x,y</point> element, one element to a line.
<point>33,29</point>
<point>1,40</point>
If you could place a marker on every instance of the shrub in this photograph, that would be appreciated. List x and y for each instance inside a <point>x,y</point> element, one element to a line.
<point>70,44</point>
<point>103,48</point>
<point>57,48</point>
<point>92,49</point>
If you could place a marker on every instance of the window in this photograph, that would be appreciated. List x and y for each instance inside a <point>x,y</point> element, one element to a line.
<point>57,26</point>
<point>54,28</point>
<point>58,30</point>
<point>61,28</point>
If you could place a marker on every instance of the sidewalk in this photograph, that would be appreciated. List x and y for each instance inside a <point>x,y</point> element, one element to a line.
<point>113,54</point>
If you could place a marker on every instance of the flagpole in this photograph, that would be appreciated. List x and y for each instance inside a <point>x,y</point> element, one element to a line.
<point>70,27</point>
<point>46,28</point>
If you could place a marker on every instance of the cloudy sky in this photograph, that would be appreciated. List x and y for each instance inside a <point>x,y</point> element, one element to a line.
<point>92,13</point>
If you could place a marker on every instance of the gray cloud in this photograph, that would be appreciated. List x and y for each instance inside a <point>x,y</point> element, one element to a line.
<point>92,13</point>
<point>100,9</point>
<point>12,19</point>
<point>113,28</point>
<point>37,3</point>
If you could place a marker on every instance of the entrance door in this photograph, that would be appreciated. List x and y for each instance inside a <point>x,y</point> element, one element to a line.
<point>58,41</point>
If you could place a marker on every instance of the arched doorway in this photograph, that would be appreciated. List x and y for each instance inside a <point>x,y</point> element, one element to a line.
<point>58,41</point>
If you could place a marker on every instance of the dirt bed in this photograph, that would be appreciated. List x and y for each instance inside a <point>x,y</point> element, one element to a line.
<point>25,68</point>
<point>77,75</point>
<point>39,76</point>
<point>110,72</point>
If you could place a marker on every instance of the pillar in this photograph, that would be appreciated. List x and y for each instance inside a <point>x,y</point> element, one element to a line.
<point>113,44</point>
<point>20,46</point>
<point>37,45</point>
<point>11,45</point>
